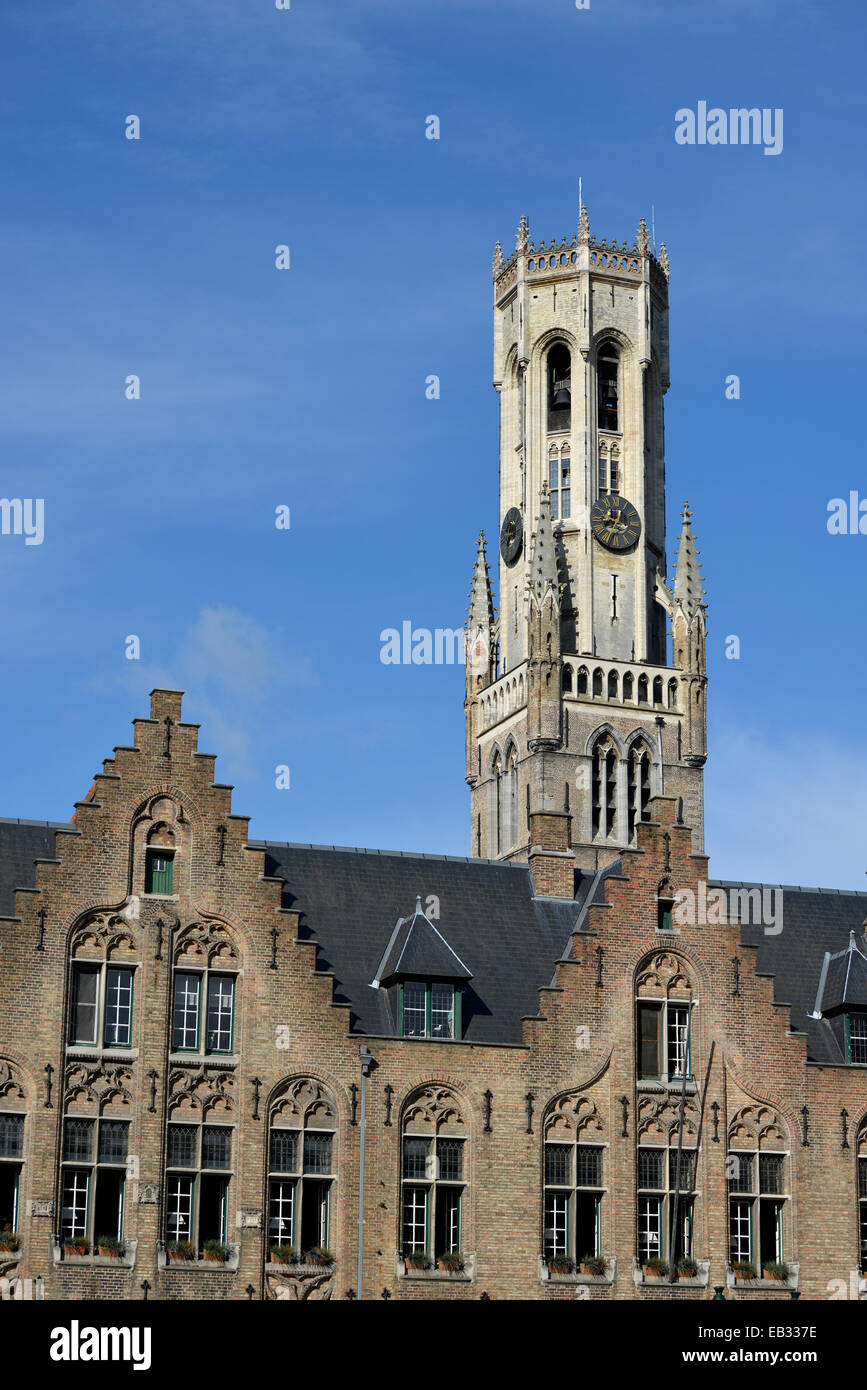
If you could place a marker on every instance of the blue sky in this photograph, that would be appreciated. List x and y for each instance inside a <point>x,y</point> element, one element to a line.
<point>306,387</point>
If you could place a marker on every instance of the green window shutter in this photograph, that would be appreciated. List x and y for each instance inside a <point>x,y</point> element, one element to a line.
<point>159,872</point>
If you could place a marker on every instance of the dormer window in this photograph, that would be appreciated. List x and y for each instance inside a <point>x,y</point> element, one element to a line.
<point>423,977</point>
<point>856,1038</point>
<point>429,1010</point>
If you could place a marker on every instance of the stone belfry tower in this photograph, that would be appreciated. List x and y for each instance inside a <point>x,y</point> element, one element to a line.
<point>575,714</point>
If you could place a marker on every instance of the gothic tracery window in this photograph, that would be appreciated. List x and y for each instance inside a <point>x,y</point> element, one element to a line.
<point>604,796</point>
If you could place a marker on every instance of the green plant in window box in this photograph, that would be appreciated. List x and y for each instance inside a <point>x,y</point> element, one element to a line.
<point>216,1250</point>
<point>560,1264</point>
<point>9,1240</point>
<point>418,1260</point>
<point>592,1264</point>
<point>654,1268</point>
<point>77,1245</point>
<point>775,1269</point>
<point>282,1255</point>
<point>451,1260</point>
<point>319,1256</point>
<point>687,1267</point>
<point>742,1269</point>
<point>180,1250</point>
<point>109,1245</point>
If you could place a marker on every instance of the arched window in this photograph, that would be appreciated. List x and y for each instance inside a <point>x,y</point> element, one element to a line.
<point>301,1169</point>
<point>575,1181</point>
<point>12,1118</point>
<point>657,690</point>
<point>628,686</point>
<point>559,388</point>
<point>862,1195</point>
<point>672,694</point>
<point>597,682</point>
<point>604,788</point>
<point>567,679</point>
<point>666,1153</point>
<point>612,685</point>
<point>582,680</point>
<point>607,364</point>
<point>511,799</point>
<point>639,785</point>
<point>434,1173</point>
<point>497,807</point>
<point>642,690</point>
<point>159,860</point>
<point>758,1174</point>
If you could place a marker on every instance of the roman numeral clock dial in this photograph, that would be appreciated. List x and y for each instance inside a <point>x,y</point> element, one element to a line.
<point>614,522</point>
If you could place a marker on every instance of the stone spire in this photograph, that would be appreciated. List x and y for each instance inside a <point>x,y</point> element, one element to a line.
<point>480,613</point>
<point>543,564</point>
<point>523,236</point>
<point>663,260</point>
<point>688,589</point>
<point>498,259</point>
<point>583,225</point>
<point>642,240</point>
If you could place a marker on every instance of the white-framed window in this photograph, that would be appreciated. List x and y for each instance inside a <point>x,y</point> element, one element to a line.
<point>11,1167</point>
<point>194,989</point>
<point>93,1177</point>
<point>429,1009</point>
<point>573,1199</point>
<point>862,1210</point>
<point>659,1205</point>
<point>757,1203</point>
<point>662,1028</point>
<point>300,1181</point>
<point>856,1037</point>
<point>101,1001</point>
<point>433,1184</point>
<point>199,1171</point>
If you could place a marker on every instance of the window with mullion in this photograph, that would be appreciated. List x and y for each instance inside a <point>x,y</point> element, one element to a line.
<point>197,1198</point>
<point>185,1013</point>
<point>662,1028</point>
<point>221,990</point>
<point>856,1030</point>
<point>414,1010</point>
<point>117,1028</point>
<point>433,1186</point>
<point>573,1196</point>
<point>862,1209</point>
<point>300,1168</point>
<point>93,1171</point>
<point>757,1186</point>
<point>429,1010</point>
<point>657,1174</point>
<point>85,1004</point>
<point>11,1135</point>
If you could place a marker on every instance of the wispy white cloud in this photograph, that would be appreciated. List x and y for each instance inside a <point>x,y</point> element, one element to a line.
<point>230,667</point>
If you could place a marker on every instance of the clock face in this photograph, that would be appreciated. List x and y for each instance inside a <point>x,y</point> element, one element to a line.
<point>511,536</point>
<point>614,522</point>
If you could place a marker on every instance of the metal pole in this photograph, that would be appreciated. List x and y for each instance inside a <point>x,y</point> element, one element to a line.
<point>366,1060</point>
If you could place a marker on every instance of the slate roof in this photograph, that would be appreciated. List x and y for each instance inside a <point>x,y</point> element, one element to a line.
<point>351,899</point>
<point>418,951</point>
<point>21,843</point>
<point>814,920</point>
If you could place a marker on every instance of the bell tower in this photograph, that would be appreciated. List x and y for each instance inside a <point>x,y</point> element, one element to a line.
<point>575,715</point>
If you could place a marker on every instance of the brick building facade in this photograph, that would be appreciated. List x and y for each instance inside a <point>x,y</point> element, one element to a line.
<point>576,1067</point>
